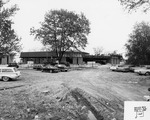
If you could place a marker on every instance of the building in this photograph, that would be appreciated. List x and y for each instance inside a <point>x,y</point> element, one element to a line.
<point>70,56</point>
<point>5,59</point>
<point>41,56</point>
<point>116,59</point>
<point>103,59</point>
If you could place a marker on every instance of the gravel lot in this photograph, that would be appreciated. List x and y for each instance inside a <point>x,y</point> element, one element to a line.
<point>109,89</point>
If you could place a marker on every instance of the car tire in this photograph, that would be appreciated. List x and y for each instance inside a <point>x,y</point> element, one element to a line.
<point>5,79</point>
<point>147,73</point>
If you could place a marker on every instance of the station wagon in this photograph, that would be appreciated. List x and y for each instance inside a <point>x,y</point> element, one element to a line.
<point>7,73</point>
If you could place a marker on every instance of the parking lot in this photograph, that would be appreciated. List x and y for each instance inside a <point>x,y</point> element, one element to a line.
<point>101,83</point>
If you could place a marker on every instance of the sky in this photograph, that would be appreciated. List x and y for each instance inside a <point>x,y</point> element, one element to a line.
<point>110,23</point>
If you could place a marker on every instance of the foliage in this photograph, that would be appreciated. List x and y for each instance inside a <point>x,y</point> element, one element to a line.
<point>9,41</point>
<point>98,50</point>
<point>136,4</point>
<point>138,45</point>
<point>63,30</point>
<point>46,48</point>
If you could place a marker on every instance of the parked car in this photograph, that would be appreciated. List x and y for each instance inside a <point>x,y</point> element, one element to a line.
<point>137,70</point>
<point>113,67</point>
<point>7,73</point>
<point>121,68</point>
<point>13,65</point>
<point>131,68</point>
<point>37,66</point>
<point>62,67</point>
<point>143,71</point>
<point>34,66</point>
<point>49,68</point>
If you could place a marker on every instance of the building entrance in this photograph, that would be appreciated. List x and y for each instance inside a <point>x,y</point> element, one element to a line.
<point>70,60</point>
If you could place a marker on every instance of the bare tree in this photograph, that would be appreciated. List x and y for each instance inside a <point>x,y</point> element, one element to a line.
<point>98,50</point>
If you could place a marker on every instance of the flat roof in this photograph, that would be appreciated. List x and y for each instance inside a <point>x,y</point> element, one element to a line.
<point>48,53</point>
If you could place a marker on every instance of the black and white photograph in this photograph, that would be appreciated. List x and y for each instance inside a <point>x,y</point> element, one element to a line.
<point>74,59</point>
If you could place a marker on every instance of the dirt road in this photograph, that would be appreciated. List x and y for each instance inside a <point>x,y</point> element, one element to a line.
<point>111,89</point>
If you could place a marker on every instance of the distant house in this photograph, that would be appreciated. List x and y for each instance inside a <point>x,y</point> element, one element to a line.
<point>40,57</point>
<point>5,59</point>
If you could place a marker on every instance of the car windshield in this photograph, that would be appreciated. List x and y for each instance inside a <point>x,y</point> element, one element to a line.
<point>49,66</point>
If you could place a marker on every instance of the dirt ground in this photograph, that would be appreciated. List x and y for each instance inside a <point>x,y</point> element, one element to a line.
<point>85,94</point>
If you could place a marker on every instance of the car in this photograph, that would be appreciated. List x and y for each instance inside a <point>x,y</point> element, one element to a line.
<point>131,68</point>
<point>13,65</point>
<point>121,68</point>
<point>143,71</point>
<point>37,66</point>
<point>113,67</point>
<point>138,69</point>
<point>49,68</point>
<point>7,73</point>
<point>62,67</point>
<point>34,66</point>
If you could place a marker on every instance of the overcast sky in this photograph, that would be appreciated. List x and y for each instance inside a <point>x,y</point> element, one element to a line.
<point>110,24</point>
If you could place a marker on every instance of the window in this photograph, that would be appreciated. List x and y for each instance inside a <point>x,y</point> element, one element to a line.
<point>15,69</point>
<point>7,70</point>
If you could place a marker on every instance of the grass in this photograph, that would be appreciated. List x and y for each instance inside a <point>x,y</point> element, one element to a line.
<point>26,106</point>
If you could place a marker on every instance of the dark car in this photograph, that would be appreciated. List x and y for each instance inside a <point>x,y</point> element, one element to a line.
<point>38,66</point>
<point>49,68</point>
<point>13,65</point>
<point>62,67</point>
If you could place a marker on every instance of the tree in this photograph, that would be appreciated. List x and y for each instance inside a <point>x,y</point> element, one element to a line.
<point>9,41</point>
<point>46,48</point>
<point>63,30</point>
<point>136,4</point>
<point>138,45</point>
<point>98,50</point>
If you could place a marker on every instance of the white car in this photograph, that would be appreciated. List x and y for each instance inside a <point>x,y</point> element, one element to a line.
<point>120,68</point>
<point>143,71</point>
<point>7,73</point>
<point>113,68</point>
